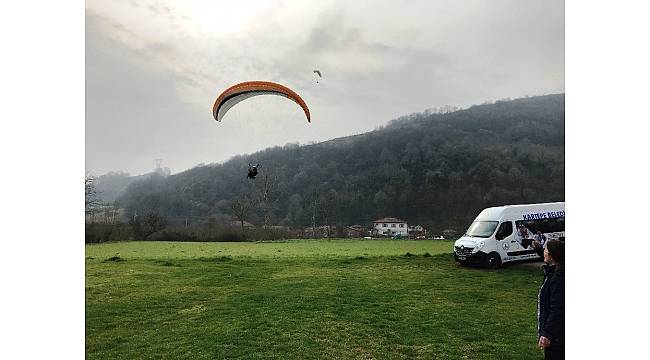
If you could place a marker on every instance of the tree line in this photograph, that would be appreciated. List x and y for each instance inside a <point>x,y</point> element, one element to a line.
<point>436,169</point>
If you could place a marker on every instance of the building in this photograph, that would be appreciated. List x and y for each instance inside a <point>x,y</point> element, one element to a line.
<point>417,232</point>
<point>390,227</point>
<point>324,231</point>
<point>278,228</point>
<point>355,231</point>
<point>449,233</point>
<point>247,225</point>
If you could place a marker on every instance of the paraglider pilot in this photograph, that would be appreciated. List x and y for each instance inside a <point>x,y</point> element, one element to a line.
<point>252,171</point>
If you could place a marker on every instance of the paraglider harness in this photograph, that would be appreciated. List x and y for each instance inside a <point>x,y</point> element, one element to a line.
<point>252,171</point>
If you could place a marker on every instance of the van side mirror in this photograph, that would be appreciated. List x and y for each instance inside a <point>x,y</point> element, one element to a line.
<point>499,236</point>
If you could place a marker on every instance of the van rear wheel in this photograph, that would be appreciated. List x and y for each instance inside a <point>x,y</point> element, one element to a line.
<point>492,261</point>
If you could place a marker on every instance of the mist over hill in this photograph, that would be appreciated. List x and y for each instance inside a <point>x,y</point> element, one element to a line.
<point>438,170</point>
<point>110,186</point>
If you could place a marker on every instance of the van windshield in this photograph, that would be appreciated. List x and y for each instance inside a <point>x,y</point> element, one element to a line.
<point>482,229</point>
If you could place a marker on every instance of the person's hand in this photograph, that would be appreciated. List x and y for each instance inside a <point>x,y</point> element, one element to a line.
<point>543,342</point>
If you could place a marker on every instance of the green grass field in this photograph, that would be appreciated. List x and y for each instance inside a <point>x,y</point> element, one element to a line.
<point>304,299</point>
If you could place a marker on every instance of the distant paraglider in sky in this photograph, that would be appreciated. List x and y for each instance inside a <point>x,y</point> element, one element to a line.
<point>320,76</point>
<point>242,91</point>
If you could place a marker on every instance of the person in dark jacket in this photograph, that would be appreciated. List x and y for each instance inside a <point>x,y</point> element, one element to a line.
<point>252,171</point>
<point>550,306</point>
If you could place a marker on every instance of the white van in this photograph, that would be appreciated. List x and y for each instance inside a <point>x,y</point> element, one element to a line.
<point>510,233</point>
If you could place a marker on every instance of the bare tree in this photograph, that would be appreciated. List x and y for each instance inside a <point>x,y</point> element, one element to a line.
<point>311,203</point>
<point>264,193</point>
<point>92,202</point>
<point>327,208</point>
<point>241,207</point>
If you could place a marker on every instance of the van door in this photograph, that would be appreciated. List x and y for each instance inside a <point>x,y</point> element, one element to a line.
<point>509,247</point>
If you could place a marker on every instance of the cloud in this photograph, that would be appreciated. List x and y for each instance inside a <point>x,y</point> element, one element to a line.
<point>154,68</point>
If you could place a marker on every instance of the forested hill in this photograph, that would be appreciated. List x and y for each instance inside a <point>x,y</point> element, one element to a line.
<point>437,170</point>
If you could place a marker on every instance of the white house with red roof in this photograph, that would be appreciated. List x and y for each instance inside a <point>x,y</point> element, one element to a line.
<point>390,227</point>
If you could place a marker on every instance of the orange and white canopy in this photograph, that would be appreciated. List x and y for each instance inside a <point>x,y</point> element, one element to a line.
<point>242,91</point>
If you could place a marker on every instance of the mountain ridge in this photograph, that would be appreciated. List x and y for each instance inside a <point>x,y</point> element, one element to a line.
<point>433,169</point>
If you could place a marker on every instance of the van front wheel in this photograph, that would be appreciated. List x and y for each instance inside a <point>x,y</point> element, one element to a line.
<point>492,261</point>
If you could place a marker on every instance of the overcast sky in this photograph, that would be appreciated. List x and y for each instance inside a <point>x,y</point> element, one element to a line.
<point>154,69</point>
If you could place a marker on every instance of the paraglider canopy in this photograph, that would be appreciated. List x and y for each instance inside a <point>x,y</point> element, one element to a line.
<point>320,76</point>
<point>242,91</point>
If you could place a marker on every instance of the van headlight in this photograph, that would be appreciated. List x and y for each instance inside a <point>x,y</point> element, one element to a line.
<point>478,247</point>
